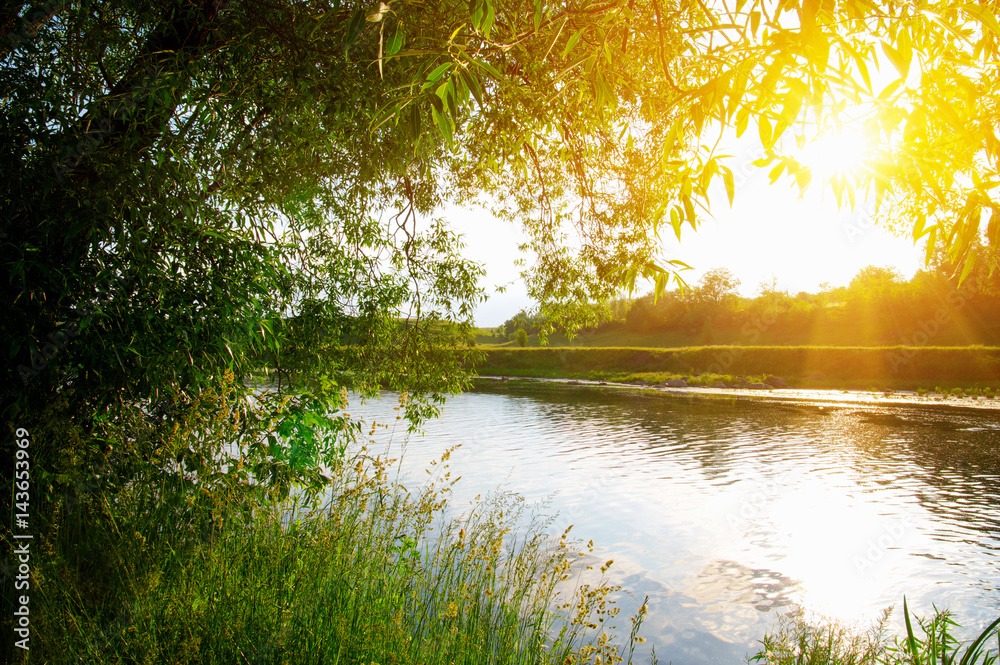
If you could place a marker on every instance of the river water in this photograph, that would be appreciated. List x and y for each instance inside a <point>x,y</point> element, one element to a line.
<point>726,511</point>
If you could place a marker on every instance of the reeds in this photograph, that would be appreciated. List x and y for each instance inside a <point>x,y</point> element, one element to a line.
<point>370,573</point>
<point>797,641</point>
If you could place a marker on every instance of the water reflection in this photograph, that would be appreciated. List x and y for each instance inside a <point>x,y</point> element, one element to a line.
<point>726,510</point>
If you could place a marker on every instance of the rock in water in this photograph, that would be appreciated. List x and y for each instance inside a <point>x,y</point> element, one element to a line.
<point>674,383</point>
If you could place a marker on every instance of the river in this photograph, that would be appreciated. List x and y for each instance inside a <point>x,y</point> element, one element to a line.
<point>726,511</point>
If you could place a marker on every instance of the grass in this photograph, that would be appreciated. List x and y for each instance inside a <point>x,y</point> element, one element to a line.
<point>374,574</point>
<point>797,641</point>
<point>860,368</point>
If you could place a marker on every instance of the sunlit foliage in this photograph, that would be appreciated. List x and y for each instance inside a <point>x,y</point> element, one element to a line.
<point>201,198</point>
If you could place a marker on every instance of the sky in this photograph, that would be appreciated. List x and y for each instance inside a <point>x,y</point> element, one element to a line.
<point>769,232</point>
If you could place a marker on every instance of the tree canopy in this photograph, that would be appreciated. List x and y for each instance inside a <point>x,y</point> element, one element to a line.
<point>202,198</point>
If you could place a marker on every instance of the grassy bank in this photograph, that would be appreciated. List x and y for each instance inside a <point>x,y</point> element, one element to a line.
<point>374,576</point>
<point>902,368</point>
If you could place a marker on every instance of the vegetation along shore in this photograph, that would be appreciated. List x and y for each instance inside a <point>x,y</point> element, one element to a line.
<point>220,222</point>
<point>855,368</point>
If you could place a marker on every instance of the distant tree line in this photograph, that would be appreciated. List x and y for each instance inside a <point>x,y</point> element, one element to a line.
<point>877,308</point>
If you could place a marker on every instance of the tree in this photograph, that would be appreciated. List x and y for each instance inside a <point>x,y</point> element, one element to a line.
<point>717,285</point>
<point>522,337</point>
<point>930,119</point>
<point>202,200</point>
<point>874,283</point>
<point>204,195</point>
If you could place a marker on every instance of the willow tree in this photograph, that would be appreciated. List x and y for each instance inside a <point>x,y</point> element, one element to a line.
<point>919,79</point>
<point>203,196</point>
<point>201,199</point>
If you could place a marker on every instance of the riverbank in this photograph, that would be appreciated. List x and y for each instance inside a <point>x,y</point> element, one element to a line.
<point>374,572</point>
<point>974,370</point>
<point>970,398</point>
<point>380,575</point>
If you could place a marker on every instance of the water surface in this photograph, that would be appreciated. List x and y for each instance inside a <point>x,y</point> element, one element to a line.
<point>728,510</point>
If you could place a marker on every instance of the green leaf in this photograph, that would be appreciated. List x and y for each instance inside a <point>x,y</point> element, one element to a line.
<point>438,72</point>
<point>574,38</point>
<point>443,123</point>
<point>438,103</point>
<point>972,653</point>
<point>477,11</point>
<point>472,81</point>
<point>396,41</point>
<point>450,95</point>
<point>487,24</point>
<point>320,22</point>
<point>354,27</point>
<point>414,121</point>
<point>911,641</point>
<point>488,67</point>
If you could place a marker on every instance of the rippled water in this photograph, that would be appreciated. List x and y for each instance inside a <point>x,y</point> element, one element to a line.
<point>725,510</point>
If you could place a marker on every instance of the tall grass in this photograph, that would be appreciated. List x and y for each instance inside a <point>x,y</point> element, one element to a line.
<point>798,641</point>
<point>373,573</point>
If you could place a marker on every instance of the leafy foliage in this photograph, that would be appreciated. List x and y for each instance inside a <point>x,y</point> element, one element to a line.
<point>204,199</point>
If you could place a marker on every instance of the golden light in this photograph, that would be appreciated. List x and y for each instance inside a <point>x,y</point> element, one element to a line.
<point>838,546</point>
<point>835,152</point>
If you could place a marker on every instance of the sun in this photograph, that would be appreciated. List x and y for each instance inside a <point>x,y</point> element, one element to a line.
<point>838,152</point>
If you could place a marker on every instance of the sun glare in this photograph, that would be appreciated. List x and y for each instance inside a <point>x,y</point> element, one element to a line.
<point>836,152</point>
